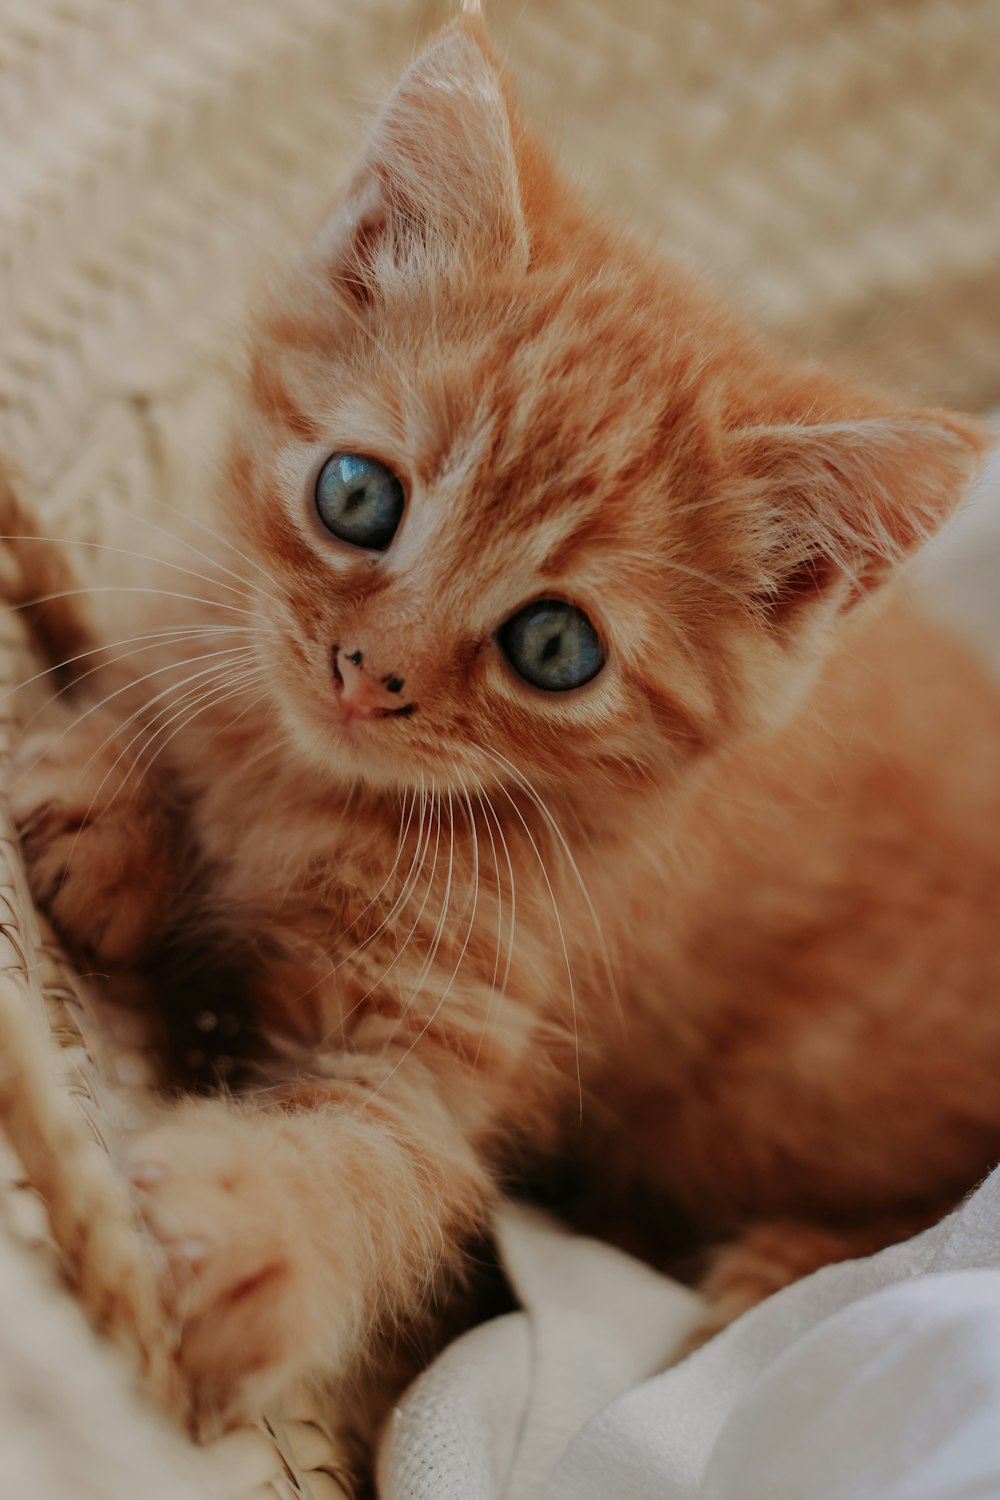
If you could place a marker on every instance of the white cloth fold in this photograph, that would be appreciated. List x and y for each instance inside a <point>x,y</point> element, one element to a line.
<point>876,1379</point>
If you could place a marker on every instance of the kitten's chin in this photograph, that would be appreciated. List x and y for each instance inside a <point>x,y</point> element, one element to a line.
<point>346,752</point>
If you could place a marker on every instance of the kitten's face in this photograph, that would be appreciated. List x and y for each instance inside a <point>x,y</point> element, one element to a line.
<point>526,497</point>
<point>524,606</point>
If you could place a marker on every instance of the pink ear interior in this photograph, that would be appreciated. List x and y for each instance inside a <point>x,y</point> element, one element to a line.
<point>437,192</point>
<point>845,502</point>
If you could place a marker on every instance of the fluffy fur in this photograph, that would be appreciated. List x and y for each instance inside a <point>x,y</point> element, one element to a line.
<point>720,924</point>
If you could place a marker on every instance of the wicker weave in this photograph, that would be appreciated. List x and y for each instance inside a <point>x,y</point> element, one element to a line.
<point>835,162</point>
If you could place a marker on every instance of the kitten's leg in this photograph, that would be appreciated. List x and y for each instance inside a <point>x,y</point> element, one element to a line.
<point>773,1255</point>
<point>298,1226</point>
<point>37,579</point>
<point>99,837</point>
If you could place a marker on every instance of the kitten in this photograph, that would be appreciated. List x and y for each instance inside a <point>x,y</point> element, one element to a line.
<point>574,786</point>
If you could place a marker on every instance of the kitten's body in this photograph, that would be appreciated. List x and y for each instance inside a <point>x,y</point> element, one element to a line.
<point>769,971</point>
<point>722,926</point>
<point>829,965</point>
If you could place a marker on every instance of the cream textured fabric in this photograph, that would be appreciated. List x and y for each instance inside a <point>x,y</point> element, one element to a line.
<point>877,1377</point>
<point>834,163</point>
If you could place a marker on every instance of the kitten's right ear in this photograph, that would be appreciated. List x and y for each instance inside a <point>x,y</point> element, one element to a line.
<point>438,190</point>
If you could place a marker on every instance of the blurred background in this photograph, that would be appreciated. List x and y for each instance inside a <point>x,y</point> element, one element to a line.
<point>833,165</point>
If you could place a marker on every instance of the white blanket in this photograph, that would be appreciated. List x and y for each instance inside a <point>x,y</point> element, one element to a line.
<point>877,1379</point>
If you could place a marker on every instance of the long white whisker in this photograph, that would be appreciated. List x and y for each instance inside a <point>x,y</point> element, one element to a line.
<point>162,562</point>
<point>458,963</point>
<point>218,668</point>
<point>235,657</point>
<point>562,938</point>
<point>400,846</point>
<point>359,947</point>
<point>121,588</point>
<point>432,952</point>
<point>402,900</point>
<point>497,994</point>
<point>237,681</point>
<point>574,867</point>
<point>191,521</point>
<point>125,688</point>
<point>152,637</point>
<point>249,708</point>
<point>423,905</point>
<point>413,875</point>
<point>489,813</point>
<point>472,916</point>
<point>210,698</point>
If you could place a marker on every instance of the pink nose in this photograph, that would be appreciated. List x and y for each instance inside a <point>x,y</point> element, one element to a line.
<point>362,696</point>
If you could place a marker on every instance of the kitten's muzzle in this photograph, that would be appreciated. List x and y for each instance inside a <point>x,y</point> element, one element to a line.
<point>363,696</point>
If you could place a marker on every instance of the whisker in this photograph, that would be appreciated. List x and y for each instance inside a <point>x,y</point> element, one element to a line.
<point>120,588</point>
<point>208,699</point>
<point>219,668</point>
<point>153,637</point>
<point>200,633</point>
<point>400,845</point>
<point>125,688</point>
<point>562,939</point>
<point>432,952</point>
<point>574,867</point>
<point>497,995</point>
<point>442,998</point>
<point>191,521</point>
<point>496,870</point>
<point>72,541</point>
<point>472,917</point>
<point>237,682</point>
<point>359,947</point>
<point>409,886</point>
<point>423,905</point>
<point>510,876</point>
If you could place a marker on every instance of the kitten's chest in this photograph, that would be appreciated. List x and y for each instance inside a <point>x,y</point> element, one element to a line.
<point>272,853</point>
<point>357,905</point>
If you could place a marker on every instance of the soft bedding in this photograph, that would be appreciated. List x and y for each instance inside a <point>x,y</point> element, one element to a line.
<point>875,1378</point>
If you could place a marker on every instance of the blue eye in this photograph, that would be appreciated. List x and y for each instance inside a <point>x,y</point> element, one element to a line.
<point>359,500</point>
<point>552,645</point>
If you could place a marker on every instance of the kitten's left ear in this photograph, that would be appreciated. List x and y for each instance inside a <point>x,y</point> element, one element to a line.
<point>835,507</point>
<point>438,189</point>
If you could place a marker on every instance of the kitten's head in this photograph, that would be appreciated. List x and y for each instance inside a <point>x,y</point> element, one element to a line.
<point>528,496</point>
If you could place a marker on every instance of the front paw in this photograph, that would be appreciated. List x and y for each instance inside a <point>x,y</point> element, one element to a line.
<point>260,1299</point>
<point>99,847</point>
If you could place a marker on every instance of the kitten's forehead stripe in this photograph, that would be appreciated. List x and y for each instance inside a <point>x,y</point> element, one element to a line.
<point>274,400</point>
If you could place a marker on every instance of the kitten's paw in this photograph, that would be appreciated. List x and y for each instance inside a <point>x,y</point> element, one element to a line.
<point>258,1299</point>
<point>99,848</point>
<point>766,1259</point>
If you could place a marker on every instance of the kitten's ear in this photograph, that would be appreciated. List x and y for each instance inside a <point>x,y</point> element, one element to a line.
<point>836,506</point>
<point>438,188</point>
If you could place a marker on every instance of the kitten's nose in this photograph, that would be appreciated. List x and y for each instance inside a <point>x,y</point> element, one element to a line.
<point>362,696</point>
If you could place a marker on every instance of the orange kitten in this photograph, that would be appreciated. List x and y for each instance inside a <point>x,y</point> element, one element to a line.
<point>565,791</point>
